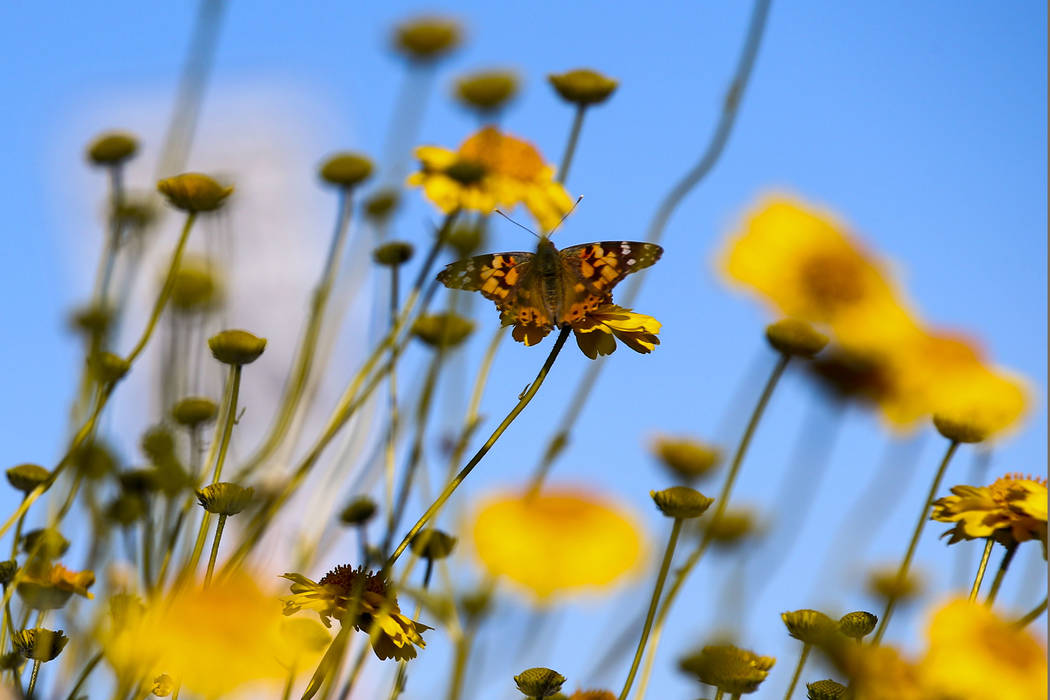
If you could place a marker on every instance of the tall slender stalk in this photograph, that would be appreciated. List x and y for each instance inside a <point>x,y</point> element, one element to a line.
<point>1008,557</point>
<point>975,589</point>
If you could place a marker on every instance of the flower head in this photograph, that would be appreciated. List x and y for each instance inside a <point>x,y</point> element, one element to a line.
<point>728,668</point>
<point>598,330</point>
<point>491,169</point>
<point>685,457</point>
<point>48,587</point>
<point>556,542</point>
<point>1012,509</point>
<point>393,634</point>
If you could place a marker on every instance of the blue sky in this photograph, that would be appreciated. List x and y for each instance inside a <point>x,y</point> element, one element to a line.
<point>924,126</point>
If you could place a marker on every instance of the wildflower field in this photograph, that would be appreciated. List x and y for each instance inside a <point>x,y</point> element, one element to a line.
<point>525,351</point>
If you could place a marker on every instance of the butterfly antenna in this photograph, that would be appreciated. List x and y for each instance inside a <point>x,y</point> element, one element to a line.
<point>517,224</point>
<point>558,225</point>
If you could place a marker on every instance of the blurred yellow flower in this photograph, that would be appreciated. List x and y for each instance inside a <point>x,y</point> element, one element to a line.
<point>210,640</point>
<point>1012,509</point>
<point>972,654</point>
<point>49,586</point>
<point>330,597</point>
<point>877,672</point>
<point>597,331</point>
<point>491,169</point>
<point>559,541</point>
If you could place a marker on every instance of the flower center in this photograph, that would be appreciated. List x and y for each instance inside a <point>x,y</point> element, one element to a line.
<point>345,578</point>
<point>831,281</point>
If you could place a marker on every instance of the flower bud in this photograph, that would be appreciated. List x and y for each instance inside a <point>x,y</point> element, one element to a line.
<point>125,509</point>
<point>93,320</point>
<point>381,204</point>
<point>158,444</point>
<point>959,429</point>
<point>26,477</point>
<point>44,543</point>
<point>431,543</point>
<point>11,661</point>
<point>793,337</point>
<point>194,410</point>
<point>112,148</point>
<point>195,286</point>
<point>443,330</point>
<point>236,347</point>
<point>224,498</point>
<point>465,239</point>
<point>7,571</point>
<point>728,668</point>
<point>681,502</point>
<point>194,192</point>
<point>346,169</point>
<point>163,685</point>
<point>686,458</point>
<point>808,626</point>
<point>734,527</point>
<point>487,91</point>
<point>857,624</point>
<point>478,603</point>
<point>539,682</point>
<point>136,212</point>
<point>39,644</point>
<point>359,511</point>
<point>94,460</point>
<point>108,368</point>
<point>583,86</point>
<point>885,583</point>
<point>825,690</point>
<point>426,39</point>
<point>393,253</point>
<point>140,482</point>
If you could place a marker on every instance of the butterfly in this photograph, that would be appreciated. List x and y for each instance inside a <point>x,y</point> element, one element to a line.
<point>550,288</point>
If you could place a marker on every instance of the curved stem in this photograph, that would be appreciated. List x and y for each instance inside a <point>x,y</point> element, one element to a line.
<point>453,484</point>
<point>661,577</point>
<point>88,668</point>
<point>18,531</point>
<point>798,670</point>
<point>1008,557</point>
<point>902,571</point>
<point>1032,615</point>
<point>975,589</point>
<point>570,147</point>
<point>214,549</point>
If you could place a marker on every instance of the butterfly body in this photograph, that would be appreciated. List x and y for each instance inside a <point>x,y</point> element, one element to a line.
<point>550,288</point>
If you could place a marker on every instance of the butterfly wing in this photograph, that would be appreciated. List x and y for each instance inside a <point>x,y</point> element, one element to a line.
<point>599,267</point>
<point>495,275</point>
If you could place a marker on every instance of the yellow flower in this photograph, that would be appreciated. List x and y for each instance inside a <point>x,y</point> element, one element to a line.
<point>974,655</point>
<point>330,597</point>
<point>1012,509</point>
<point>877,672</point>
<point>48,587</point>
<point>596,333</point>
<point>211,640</point>
<point>491,169</point>
<point>559,541</point>
<point>804,264</point>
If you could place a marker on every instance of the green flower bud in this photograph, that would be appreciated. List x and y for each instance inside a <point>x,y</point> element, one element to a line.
<point>359,511</point>
<point>808,626</point>
<point>465,239</point>
<point>443,330</point>
<point>381,204</point>
<point>539,682</point>
<point>825,690</point>
<point>11,661</point>
<point>7,571</point>
<point>196,287</point>
<point>136,211</point>
<point>728,668</point>
<point>884,583</point>
<point>93,320</point>
<point>959,430</point>
<point>45,543</point>
<point>734,527</point>
<point>43,596</point>
<point>686,458</point>
<point>431,543</point>
<point>112,148</point>
<point>26,477</point>
<point>426,39</point>
<point>478,603</point>
<point>236,347</point>
<point>194,410</point>
<point>194,192</point>
<point>126,509</point>
<point>793,337</point>
<point>346,169</point>
<point>857,624</point>
<point>681,502</point>
<point>224,498</point>
<point>583,86</point>
<point>487,91</point>
<point>94,460</point>
<point>158,444</point>
<point>139,482</point>
<point>39,644</point>
<point>393,253</point>
<point>108,368</point>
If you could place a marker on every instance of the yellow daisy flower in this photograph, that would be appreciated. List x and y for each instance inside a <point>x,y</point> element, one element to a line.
<point>1012,509</point>
<point>330,596</point>
<point>597,332</point>
<point>559,541</point>
<point>972,654</point>
<point>491,169</point>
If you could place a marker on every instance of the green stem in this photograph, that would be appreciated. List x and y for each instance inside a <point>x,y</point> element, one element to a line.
<point>452,485</point>
<point>1008,557</point>
<point>661,578</point>
<point>980,569</point>
<point>719,694</point>
<point>18,531</point>
<point>798,670</point>
<point>215,549</point>
<point>1032,615</point>
<point>721,502</point>
<point>570,147</point>
<point>395,419</point>
<point>88,668</point>
<point>32,679</point>
<point>905,565</point>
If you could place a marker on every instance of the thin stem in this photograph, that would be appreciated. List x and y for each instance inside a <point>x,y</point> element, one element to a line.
<point>721,502</point>
<point>1032,615</point>
<point>1008,557</point>
<point>452,485</point>
<point>905,565</point>
<point>720,694</point>
<point>215,549</point>
<point>661,578</point>
<point>570,147</point>
<point>391,436</point>
<point>798,670</point>
<point>88,668</point>
<point>32,679</point>
<point>18,531</point>
<point>980,569</point>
